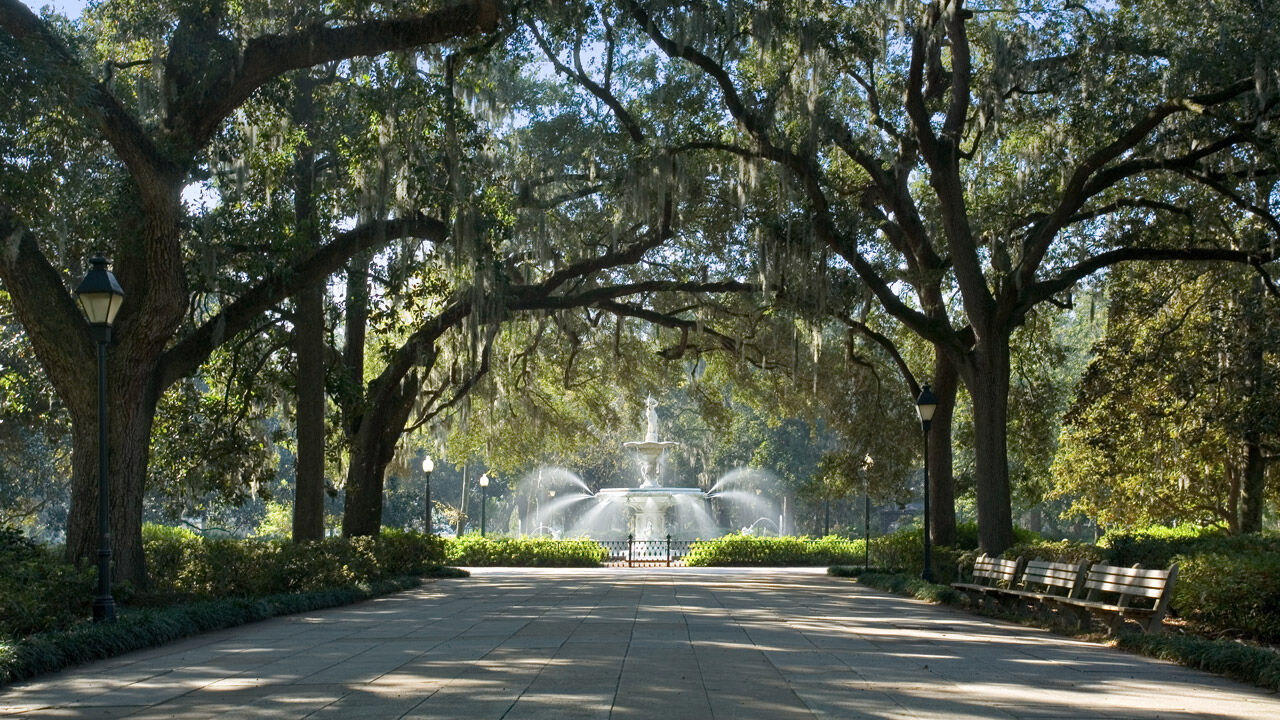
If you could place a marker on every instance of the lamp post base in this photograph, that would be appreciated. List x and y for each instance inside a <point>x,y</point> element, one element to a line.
<point>104,610</point>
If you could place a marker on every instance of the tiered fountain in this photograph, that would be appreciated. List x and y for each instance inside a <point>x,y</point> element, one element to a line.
<point>560,503</point>
<point>650,501</point>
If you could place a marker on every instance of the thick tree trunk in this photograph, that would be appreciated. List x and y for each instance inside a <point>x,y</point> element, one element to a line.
<point>355,326</point>
<point>1253,485</point>
<point>308,340</point>
<point>131,407</point>
<point>988,383</point>
<point>372,449</point>
<point>309,349</point>
<point>942,483</point>
<point>1253,366</point>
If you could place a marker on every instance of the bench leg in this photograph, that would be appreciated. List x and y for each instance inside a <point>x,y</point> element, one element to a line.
<point>1154,625</point>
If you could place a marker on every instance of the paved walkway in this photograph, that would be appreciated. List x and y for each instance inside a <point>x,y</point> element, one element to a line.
<point>727,644</point>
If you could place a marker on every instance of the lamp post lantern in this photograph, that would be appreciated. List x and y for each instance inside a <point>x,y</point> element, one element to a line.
<point>484,499</point>
<point>100,296</point>
<point>427,466</point>
<point>925,405</point>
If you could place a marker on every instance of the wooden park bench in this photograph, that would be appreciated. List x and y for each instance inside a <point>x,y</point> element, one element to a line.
<point>1120,593</point>
<point>992,578</point>
<point>1044,583</point>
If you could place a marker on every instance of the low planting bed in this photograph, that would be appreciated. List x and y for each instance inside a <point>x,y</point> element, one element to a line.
<point>476,551</point>
<point>197,585</point>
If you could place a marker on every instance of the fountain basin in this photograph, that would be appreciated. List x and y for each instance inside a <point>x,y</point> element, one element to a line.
<point>650,506</point>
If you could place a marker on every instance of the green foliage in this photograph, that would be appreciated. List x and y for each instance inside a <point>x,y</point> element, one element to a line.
<point>49,651</point>
<point>1260,666</point>
<point>1063,551</point>
<point>1184,380</point>
<point>38,589</point>
<point>477,551</point>
<point>1237,593</point>
<point>184,563</point>
<point>737,550</point>
<point>902,550</point>
<point>903,584</point>
<point>1156,545</point>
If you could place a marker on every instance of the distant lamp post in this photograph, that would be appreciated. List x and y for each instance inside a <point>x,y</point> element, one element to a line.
<point>427,466</point>
<point>925,405</point>
<point>484,500</point>
<point>866,511</point>
<point>100,297</point>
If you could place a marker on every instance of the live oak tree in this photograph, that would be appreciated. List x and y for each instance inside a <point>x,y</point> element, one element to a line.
<point>995,150</point>
<point>201,64</point>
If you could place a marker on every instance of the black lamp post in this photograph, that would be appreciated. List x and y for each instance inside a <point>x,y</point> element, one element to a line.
<point>484,499</point>
<point>866,512</point>
<point>100,297</point>
<point>925,405</point>
<point>427,466</point>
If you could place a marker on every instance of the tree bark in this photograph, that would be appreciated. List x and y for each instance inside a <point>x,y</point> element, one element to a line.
<point>308,339</point>
<point>372,449</point>
<point>987,378</point>
<point>942,482</point>
<point>131,403</point>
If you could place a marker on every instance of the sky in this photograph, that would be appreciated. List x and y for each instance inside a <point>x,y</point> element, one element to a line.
<point>70,8</point>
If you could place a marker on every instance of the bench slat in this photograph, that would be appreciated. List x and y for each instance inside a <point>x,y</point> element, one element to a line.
<point>1125,589</point>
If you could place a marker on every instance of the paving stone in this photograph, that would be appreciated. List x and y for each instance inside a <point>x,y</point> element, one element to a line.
<point>618,644</point>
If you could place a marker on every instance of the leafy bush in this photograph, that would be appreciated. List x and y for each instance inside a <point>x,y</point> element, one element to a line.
<point>902,550</point>
<point>1155,546</point>
<point>738,550</point>
<point>181,562</point>
<point>1238,593</point>
<point>967,536</point>
<point>38,589</point>
<point>477,551</point>
<point>1063,551</point>
<point>904,584</point>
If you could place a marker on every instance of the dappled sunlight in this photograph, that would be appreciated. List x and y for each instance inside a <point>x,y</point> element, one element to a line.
<point>512,643</point>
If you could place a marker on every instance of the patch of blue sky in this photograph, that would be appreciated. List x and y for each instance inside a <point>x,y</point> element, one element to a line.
<point>70,8</point>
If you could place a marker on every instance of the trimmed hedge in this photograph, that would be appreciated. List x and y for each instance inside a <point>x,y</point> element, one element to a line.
<point>476,551</point>
<point>181,562</point>
<point>134,630</point>
<point>902,550</point>
<point>744,550</point>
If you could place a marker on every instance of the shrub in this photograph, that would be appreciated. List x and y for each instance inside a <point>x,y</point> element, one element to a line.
<point>902,551</point>
<point>477,551</point>
<point>38,589</point>
<point>1063,551</point>
<point>740,550</point>
<point>1155,546</point>
<point>967,536</point>
<point>905,584</point>
<point>1238,593</point>
<point>181,562</point>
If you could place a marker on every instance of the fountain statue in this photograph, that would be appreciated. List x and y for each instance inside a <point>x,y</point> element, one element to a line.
<point>650,449</point>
